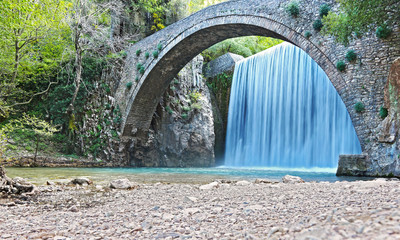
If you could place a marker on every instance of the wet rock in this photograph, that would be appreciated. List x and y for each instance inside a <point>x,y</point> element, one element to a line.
<point>259,180</point>
<point>122,184</point>
<point>243,183</point>
<point>292,179</point>
<point>81,181</point>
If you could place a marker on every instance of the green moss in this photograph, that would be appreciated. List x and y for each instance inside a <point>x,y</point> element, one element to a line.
<point>341,66</point>
<point>359,107</point>
<point>351,56</point>
<point>293,9</point>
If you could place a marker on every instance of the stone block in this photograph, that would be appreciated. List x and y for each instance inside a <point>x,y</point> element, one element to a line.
<point>353,165</point>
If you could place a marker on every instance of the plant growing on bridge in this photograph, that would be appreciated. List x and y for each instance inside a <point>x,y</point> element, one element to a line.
<point>138,52</point>
<point>351,56</point>
<point>155,54</point>
<point>184,115</point>
<point>293,8</point>
<point>307,34</point>
<point>159,46</point>
<point>141,70</point>
<point>359,107</point>
<point>129,85</point>
<point>137,79</point>
<point>186,108</point>
<point>317,25</point>
<point>383,32</point>
<point>383,112</point>
<point>324,10</point>
<point>341,66</point>
<point>146,55</point>
<point>139,66</point>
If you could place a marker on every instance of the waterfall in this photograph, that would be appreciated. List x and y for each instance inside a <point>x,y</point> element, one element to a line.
<point>284,112</point>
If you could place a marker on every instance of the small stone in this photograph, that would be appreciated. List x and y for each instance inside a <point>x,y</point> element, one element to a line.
<point>73,209</point>
<point>50,183</point>
<point>292,179</point>
<point>260,180</point>
<point>243,183</point>
<point>209,186</point>
<point>190,199</point>
<point>81,181</point>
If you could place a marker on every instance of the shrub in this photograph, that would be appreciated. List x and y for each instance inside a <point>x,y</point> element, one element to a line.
<point>139,66</point>
<point>383,112</point>
<point>351,56</point>
<point>196,106</point>
<point>293,9</point>
<point>317,25</point>
<point>146,55</point>
<point>383,32</point>
<point>341,66</point>
<point>168,109</point>
<point>155,54</point>
<point>137,79</point>
<point>324,10</point>
<point>138,52</point>
<point>186,108</point>
<point>184,115</point>
<point>159,47</point>
<point>129,85</point>
<point>141,70</point>
<point>172,88</point>
<point>359,107</point>
<point>307,34</point>
<point>176,81</point>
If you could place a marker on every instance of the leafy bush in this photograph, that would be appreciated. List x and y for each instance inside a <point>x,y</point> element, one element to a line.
<point>383,112</point>
<point>146,55</point>
<point>194,96</point>
<point>293,8</point>
<point>138,66</point>
<point>186,108</point>
<point>351,56</point>
<point>138,52</point>
<point>317,25</point>
<point>184,115</point>
<point>173,88</point>
<point>359,107</point>
<point>307,34</point>
<point>155,54</point>
<point>324,10</point>
<point>196,106</point>
<point>137,79</point>
<point>383,32</point>
<point>129,85</point>
<point>176,81</point>
<point>341,66</point>
<point>141,70</point>
<point>159,46</point>
<point>168,109</point>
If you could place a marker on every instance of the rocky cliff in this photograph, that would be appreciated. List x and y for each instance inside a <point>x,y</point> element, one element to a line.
<point>182,129</point>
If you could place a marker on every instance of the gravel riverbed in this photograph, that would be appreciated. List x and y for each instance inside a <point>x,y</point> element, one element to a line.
<point>233,210</point>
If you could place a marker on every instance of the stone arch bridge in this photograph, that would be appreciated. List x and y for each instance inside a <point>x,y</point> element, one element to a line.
<point>178,43</point>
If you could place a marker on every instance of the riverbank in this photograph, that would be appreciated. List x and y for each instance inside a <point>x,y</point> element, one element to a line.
<point>235,210</point>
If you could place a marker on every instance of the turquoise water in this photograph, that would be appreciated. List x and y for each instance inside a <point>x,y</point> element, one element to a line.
<point>285,112</point>
<point>171,175</point>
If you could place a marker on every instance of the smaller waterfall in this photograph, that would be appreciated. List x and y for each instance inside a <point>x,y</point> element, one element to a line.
<point>284,112</point>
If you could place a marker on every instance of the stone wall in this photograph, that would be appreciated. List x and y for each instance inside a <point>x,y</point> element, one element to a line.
<point>362,81</point>
<point>182,129</point>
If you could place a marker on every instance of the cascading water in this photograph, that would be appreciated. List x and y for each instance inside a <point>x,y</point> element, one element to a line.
<point>284,112</point>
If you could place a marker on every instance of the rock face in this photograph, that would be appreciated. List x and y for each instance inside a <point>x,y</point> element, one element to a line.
<point>353,165</point>
<point>225,63</point>
<point>182,129</point>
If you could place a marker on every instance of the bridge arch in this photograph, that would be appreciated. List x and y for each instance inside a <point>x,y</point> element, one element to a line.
<point>185,39</point>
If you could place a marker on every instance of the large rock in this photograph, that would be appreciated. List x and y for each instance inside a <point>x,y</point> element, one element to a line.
<point>182,132</point>
<point>15,186</point>
<point>292,179</point>
<point>122,184</point>
<point>353,165</point>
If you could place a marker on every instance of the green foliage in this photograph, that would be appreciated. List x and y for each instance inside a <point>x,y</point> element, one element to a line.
<point>244,46</point>
<point>138,52</point>
<point>155,54</point>
<point>184,115</point>
<point>141,70</point>
<point>173,88</point>
<point>356,18</point>
<point>307,34</point>
<point>194,96</point>
<point>146,55</point>
<point>159,47</point>
<point>317,25</point>
<point>359,107</point>
<point>383,32</point>
<point>196,106</point>
<point>351,56</point>
<point>136,79</point>
<point>383,112</point>
<point>176,81</point>
<point>129,85</point>
<point>341,66</point>
<point>186,108</point>
<point>293,8</point>
<point>168,109</point>
<point>324,10</point>
<point>139,66</point>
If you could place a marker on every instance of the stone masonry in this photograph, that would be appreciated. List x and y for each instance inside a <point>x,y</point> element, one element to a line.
<point>363,81</point>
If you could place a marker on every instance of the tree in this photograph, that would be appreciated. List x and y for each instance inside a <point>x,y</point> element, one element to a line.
<point>359,17</point>
<point>25,25</point>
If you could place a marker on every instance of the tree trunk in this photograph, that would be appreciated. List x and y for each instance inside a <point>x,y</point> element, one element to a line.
<point>37,147</point>
<point>16,63</point>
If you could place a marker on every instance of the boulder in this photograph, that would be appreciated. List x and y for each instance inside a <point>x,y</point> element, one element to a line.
<point>209,186</point>
<point>81,181</point>
<point>122,184</point>
<point>292,179</point>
